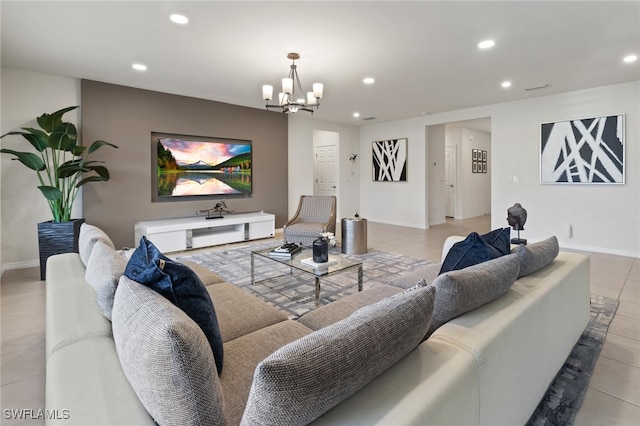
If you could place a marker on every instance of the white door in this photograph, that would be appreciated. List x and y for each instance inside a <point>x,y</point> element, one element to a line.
<point>449,181</point>
<point>326,168</point>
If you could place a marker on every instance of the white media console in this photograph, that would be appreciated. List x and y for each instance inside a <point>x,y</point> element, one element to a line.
<point>193,232</point>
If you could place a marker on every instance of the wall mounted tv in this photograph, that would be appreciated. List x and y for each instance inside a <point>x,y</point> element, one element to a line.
<point>194,167</point>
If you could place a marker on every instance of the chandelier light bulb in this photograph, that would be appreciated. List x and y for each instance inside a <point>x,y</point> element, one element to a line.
<point>311,99</point>
<point>317,90</point>
<point>287,85</point>
<point>267,92</point>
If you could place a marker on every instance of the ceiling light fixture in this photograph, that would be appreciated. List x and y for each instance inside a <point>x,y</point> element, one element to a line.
<point>179,19</point>
<point>486,44</point>
<point>506,84</point>
<point>368,80</point>
<point>630,58</point>
<point>356,114</point>
<point>292,97</point>
<point>139,67</point>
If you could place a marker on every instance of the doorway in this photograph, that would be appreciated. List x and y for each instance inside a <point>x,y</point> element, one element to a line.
<point>449,181</point>
<point>325,168</point>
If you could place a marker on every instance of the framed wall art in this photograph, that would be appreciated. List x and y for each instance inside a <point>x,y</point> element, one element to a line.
<point>390,160</point>
<point>586,150</point>
<point>478,161</point>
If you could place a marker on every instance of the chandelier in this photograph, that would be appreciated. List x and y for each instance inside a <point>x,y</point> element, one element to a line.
<point>292,98</point>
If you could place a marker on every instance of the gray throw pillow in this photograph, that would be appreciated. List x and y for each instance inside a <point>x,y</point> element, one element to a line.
<point>89,235</point>
<point>304,379</point>
<point>536,255</point>
<point>104,269</point>
<point>166,358</point>
<point>461,291</point>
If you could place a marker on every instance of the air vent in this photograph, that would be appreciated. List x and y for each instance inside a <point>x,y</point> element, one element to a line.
<point>543,86</point>
<point>369,118</point>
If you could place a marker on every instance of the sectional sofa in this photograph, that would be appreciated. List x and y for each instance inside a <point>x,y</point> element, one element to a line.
<point>479,345</point>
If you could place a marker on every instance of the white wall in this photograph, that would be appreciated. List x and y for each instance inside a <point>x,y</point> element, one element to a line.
<point>301,178</point>
<point>26,95</point>
<point>605,218</point>
<point>396,203</point>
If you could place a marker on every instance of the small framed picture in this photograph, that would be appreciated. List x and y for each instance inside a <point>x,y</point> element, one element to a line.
<point>484,167</point>
<point>484,155</point>
<point>474,154</point>
<point>474,167</point>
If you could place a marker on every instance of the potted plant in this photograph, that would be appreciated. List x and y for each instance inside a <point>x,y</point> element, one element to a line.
<point>62,167</point>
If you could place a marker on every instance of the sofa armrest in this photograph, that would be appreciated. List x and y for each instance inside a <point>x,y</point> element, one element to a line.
<point>449,242</point>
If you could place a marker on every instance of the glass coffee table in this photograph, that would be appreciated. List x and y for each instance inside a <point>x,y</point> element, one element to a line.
<point>337,264</point>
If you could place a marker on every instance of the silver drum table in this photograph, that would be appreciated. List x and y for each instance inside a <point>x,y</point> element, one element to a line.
<point>354,235</point>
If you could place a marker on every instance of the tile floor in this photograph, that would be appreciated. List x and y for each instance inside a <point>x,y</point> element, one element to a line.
<point>613,397</point>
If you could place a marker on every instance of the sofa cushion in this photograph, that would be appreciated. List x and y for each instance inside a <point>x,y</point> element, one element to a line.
<point>104,269</point>
<point>345,306</point>
<point>476,248</point>
<point>309,376</point>
<point>181,286</point>
<point>461,291</point>
<point>165,357</point>
<point>240,312</point>
<point>89,235</point>
<point>243,354</point>
<point>536,255</point>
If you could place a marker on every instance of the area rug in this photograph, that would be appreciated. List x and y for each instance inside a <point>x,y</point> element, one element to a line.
<point>565,394</point>
<point>295,294</point>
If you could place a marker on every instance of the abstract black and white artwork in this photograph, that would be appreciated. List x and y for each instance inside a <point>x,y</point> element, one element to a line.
<point>390,160</point>
<point>588,150</point>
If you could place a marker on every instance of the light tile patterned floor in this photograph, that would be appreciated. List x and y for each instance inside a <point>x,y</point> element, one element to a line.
<point>614,393</point>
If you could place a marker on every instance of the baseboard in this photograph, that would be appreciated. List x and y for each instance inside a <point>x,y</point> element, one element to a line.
<point>604,250</point>
<point>20,265</point>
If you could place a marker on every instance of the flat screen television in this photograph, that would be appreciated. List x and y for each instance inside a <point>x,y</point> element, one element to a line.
<point>192,167</point>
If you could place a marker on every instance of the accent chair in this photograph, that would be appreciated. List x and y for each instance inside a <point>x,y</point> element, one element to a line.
<point>316,214</point>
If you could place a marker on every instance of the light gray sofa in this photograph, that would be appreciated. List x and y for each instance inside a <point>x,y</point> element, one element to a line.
<point>489,366</point>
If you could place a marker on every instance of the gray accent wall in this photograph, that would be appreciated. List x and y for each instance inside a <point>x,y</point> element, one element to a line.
<point>126,117</point>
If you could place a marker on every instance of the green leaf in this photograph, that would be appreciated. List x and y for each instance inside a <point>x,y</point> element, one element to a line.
<point>36,137</point>
<point>29,159</point>
<point>51,193</point>
<point>51,121</point>
<point>70,168</point>
<point>64,137</point>
<point>96,145</point>
<point>91,179</point>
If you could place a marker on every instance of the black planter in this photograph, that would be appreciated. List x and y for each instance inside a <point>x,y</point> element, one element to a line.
<point>56,238</point>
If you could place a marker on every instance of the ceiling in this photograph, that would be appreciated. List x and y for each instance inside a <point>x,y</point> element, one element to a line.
<point>423,54</point>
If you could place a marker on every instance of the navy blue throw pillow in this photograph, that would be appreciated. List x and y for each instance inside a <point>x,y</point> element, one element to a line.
<point>477,249</point>
<point>499,239</point>
<point>181,286</point>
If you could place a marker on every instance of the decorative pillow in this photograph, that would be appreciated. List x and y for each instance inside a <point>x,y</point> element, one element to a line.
<point>536,255</point>
<point>181,286</point>
<point>166,358</point>
<point>458,292</point>
<point>104,269</point>
<point>89,235</point>
<point>304,379</point>
<point>476,249</point>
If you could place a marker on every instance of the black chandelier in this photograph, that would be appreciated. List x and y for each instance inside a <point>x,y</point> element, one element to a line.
<point>292,98</point>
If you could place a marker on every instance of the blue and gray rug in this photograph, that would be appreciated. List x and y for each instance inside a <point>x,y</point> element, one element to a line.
<point>295,294</point>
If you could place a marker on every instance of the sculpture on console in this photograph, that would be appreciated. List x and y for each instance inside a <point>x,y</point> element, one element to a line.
<point>216,211</point>
<point>516,217</point>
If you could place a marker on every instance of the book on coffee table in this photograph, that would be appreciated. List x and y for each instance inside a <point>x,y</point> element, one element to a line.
<point>285,252</point>
<point>309,261</point>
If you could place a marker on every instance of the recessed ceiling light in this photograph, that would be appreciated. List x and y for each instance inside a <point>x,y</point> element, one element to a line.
<point>506,84</point>
<point>630,58</point>
<point>139,67</point>
<point>356,114</point>
<point>179,19</point>
<point>486,44</point>
<point>369,80</point>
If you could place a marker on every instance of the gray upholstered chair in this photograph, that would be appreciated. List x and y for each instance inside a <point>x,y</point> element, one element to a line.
<point>316,214</point>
